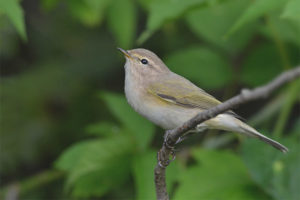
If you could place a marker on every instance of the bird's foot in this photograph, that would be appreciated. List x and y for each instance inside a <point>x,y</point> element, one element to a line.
<point>180,139</point>
<point>163,157</point>
<point>164,160</point>
<point>184,137</point>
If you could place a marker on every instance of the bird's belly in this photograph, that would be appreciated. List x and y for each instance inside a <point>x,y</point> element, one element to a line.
<point>169,117</point>
<point>161,113</point>
<point>164,114</point>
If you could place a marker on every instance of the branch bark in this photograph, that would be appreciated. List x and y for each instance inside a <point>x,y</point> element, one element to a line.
<point>171,136</point>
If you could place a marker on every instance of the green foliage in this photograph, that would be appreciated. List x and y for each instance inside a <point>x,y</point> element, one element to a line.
<point>205,23</point>
<point>143,174</point>
<point>13,10</point>
<point>89,12</point>
<point>257,71</point>
<point>290,100</point>
<point>216,175</point>
<point>143,167</point>
<point>49,4</point>
<point>287,30</point>
<point>292,10</point>
<point>94,166</point>
<point>205,67</point>
<point>257,9</point>
<point>146,3</point>
<point>164,11</point>
<point>50,97</point>
<point>25,111</point>
<point>122,22</point>
<point>103,129</point>
<point>140,129</point>
<point>121,16</point>
<point>276,173</point>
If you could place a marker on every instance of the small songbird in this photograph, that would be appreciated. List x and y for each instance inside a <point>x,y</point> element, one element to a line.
<point>168,99</point>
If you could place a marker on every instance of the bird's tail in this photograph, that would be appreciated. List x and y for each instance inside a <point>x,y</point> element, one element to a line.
<point>254,133</point>
<point>231,123</point>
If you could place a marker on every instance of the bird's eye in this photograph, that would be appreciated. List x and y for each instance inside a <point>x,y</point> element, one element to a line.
<point>144,61</point>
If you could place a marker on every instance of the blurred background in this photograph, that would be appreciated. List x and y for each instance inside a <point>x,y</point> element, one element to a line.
<point>67,131</point>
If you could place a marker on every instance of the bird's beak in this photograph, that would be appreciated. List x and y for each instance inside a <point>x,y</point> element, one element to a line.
<point>126,53</point>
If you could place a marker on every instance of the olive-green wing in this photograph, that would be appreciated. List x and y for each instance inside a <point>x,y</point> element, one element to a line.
<point>180,91</point>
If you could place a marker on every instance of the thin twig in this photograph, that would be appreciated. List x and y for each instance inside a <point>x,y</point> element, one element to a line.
<point>171,136</point>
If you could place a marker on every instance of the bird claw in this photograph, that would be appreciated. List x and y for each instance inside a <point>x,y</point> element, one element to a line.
<point>163,161</point>
<point>180,139</point>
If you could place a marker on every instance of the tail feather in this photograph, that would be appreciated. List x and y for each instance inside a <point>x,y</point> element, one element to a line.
<point>231,123</point>
<point>252,132</point>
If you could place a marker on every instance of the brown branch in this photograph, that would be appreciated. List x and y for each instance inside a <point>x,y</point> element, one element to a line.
<point>171,136</point>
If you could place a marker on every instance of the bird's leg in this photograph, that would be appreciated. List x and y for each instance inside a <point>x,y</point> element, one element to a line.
<point>165,160</point>
<point>185,136</point>
<point>191,132</point>
<point>182,138</point>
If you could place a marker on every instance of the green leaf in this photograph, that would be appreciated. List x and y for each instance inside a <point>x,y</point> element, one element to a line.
<point>94,166</point>
<point>143,173</point>
<point>103,129</point>
<point>292,10</point>
<point>164,11</point>
<point>296,128</point>
<point>143,167</point>
<point>102,155</point>
<point>146,4</point>
<point>261,66</point>
<point>216,175</point>
<point>100,182</point>
<point>287,30</point>
<point>257,9</point>
<point>141,129</point>
<point>122,22</point>
<point>70,157</point>
<point>291,98</point>
<point>213,21</point>
<point>276,173</point>
<point>49,4</point>
<point>89,12</point>
<point>172,175</point>
<point>200,65</point>
<point>13,10</point>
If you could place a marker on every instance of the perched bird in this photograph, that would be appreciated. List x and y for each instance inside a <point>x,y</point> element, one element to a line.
<point>168,99</point>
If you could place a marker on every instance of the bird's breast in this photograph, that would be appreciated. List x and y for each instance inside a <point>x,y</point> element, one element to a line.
<point>162,113</point>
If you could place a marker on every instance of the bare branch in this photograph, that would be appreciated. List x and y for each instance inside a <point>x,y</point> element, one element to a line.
<point>172,136</point>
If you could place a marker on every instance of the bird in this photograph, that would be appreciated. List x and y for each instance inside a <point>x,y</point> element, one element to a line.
<point>169,100</point>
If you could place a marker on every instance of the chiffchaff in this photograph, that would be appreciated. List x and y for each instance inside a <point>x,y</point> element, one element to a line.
<point>169,100</point>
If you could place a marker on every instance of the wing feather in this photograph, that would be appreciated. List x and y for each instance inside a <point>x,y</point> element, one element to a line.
<point>182,92</point>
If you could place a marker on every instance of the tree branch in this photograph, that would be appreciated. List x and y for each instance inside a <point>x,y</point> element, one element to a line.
<point>171,136</point>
